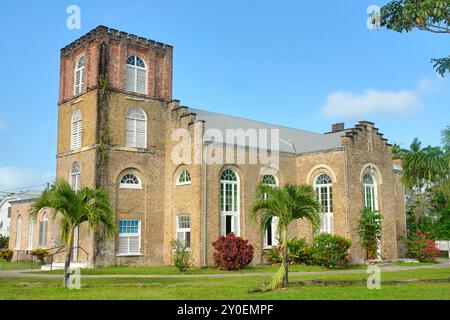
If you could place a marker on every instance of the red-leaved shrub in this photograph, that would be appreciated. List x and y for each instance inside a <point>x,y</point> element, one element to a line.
<point>421,247</point>
<point>232,253</point>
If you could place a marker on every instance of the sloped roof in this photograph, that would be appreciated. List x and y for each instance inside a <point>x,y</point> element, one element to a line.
<point>291,140</point>
<point>25,196</point>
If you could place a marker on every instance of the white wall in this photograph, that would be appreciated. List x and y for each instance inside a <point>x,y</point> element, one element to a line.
<point>4,220</point>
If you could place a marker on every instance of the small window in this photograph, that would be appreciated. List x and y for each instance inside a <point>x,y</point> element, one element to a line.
<point>129,237</point>
<point>130,181</point>
<point>75,176</point>
<point>18,232</point>
<point>184,230</point>
<point>184,178</point>
<point>9,212</point>
<point>79,76</point>
<point>136,75</point>
<point>269,180</point>
<point>136,128</point>
<point>76,130</point>
<point>42,232</point>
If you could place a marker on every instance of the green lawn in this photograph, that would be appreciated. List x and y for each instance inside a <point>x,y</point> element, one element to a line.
<point>413,264</point>
<point>170,270</point>
<point>228,288</point>
<point>21,265</point>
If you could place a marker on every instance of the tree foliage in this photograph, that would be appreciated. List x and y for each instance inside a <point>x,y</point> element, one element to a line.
<point>369,231</point>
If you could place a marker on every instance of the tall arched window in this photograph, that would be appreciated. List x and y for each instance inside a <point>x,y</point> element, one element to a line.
<point>271,233</point>
<point>76,130</point>
<point>75,176</point>
<point>18,232</point>
<point>31,234</point>
<point>42,232</point>
<point>136,78</point>
<point>78,83</point>
<point>136,128</point>
<point>324,194</point>
<point>370,192</point>
<point>229,203</point>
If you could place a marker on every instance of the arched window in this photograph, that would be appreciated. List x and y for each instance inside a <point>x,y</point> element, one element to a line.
<point>130,181</point>
<point>75,176</point>
<point>229,203</point>
<point>18,232</point>
<point>324,194</point>
<point>370,192</point>
<point>136,78</point>
<point>184,178</point>
<point>77,129</point>
<point>136,128</point>
<point>78,83</point>
<point>271,232</point>
<point>42,232</point>
<point>31,234</point>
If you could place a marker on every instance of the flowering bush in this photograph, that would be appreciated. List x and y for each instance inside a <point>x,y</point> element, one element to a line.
<point>273,255</point>
<point>41,254</point>
<point>331,250</point>
<point>6,254</point>
<point>421,247</point>
<point>300,251</point>
<point>232,253</point>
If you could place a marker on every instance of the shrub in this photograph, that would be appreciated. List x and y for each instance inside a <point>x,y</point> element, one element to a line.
<point>232,252</point>
<point>41,254</point>
<point>273,255</point>
<point>181,255</point>
<point>331,250</point>
<point>421,247</point>
<point>299,251</point>
<point>4,242</point>
<point>6,254</point>
<point>369,231</point>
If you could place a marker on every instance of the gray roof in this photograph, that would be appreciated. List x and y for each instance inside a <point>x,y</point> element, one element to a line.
<point>291,140</point>
<point>25,196</point>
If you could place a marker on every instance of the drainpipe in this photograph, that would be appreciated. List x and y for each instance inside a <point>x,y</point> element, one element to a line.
<point>205,205</point>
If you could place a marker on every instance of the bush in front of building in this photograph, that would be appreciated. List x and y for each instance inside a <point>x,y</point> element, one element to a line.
<point>300,252</point>
<point>4,241</point>
<point>232,252</point>
<point>272,255</point>
<point>41,254</point>
<point>6,254</point>
<point>422,247</point>
<point>331,250</point>
<point>181,255</point>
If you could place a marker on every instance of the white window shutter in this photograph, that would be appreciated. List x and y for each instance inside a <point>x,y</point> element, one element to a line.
<point>81,80</point>
<point>223,224</point>
<point>129,132</point>
<point>141,82</point>
<point>134,244</point>
<point>140,133</point>
<point>236,230</point>
<point>80,132</point>
<point>123,245</point>
<point>130,83</point>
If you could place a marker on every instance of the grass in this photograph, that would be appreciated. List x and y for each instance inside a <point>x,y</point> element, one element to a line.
<point>413,264</point>
<point>170,270</point>
<point>20,265</point>
<point>228,288</point>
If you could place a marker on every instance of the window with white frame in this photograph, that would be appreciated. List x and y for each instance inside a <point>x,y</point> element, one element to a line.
<point>18,232</point>
<point>370,192</point>
<point>129,237</point>
<point>136,76</point>
<point>271,232</point>
<point>184,178</point>
<point>229,203</point>
<point>78,83</point>
<point>130,181</point>
<point>324,194</point>
<point>75,176</point>
<point>31,234</point>
<point>76,130</point>
<point>184,230</point>
<point>136,128</point>
<point>42,231</point>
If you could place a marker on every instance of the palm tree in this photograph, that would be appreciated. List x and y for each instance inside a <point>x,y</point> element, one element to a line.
<point>73,208</point>
<point>288,203</point>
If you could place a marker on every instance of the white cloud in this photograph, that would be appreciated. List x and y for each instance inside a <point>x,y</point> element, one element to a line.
<point>16,177</point>
<point>371,102</point>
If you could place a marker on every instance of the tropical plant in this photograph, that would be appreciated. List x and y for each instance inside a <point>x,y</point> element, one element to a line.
<point>73,208</point>
<point>273,255</point>
<point>288,203</point>
<point>299,251</point>
<point>427,15</point>
<point>331,250</point>
<point>4,241</point>
<point>369,231</point>
<point>41,254</point>
<point>422,247</point>
<point>6,254</point>
<point>181,255</point>
<point>232,252</point>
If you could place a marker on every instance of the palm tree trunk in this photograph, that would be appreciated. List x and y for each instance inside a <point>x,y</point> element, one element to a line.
<point>285,257</point>
<point>68,256</point>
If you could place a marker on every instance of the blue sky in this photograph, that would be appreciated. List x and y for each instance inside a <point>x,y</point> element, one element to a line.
<point>303,64</point>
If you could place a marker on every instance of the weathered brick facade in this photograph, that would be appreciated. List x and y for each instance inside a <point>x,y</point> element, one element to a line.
<point>104,158</point>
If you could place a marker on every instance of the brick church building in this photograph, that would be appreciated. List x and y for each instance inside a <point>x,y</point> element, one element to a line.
<point>116,125</point>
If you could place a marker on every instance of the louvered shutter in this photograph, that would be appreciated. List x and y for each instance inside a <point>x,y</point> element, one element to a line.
<point>140,133</point>
<point>123,245</point>
<point>129,132</point>
<point>81,80</point>
<point>80,132</point>
<point>130,83</point>
<point>74,134</point>
<point>141,81</point>
<point>77,81</point>
<point>134,243</point>
<point>40,233</point>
